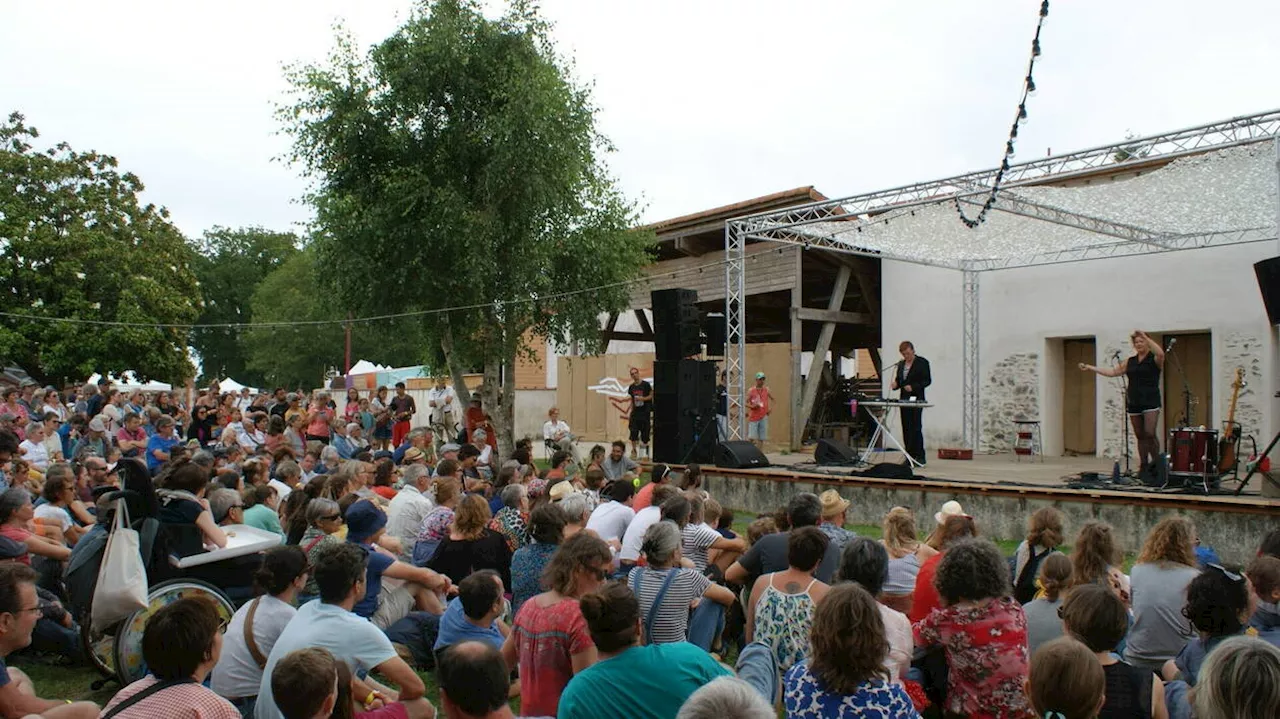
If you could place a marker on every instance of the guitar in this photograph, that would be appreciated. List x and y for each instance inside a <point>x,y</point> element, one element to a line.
<point>1230,428</point>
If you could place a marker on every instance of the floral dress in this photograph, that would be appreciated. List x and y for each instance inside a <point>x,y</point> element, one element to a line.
<point>805,697</point>
<point>782,621</point>
<point>986,649</point>
<point>435,527</point>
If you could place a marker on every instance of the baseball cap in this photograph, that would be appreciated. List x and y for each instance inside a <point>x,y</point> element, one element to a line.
<point>450,447</point>
<point>759,375</point>
<point>364,520</point>
<point>97,425</point>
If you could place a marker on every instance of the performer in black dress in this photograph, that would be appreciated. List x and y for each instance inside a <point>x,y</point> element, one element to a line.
<point>1143,400</point>
<point>911,378</point>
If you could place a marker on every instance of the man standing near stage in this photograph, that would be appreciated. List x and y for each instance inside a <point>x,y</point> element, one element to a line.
<point>759,407</point>
<point>911,378</point>
<point>641,394</point>
<point>402,410</point>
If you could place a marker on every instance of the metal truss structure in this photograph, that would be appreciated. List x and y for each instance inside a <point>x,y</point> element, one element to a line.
<point>828,225</point>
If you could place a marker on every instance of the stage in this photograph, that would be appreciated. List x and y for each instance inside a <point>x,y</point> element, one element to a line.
<point>1001,493</point>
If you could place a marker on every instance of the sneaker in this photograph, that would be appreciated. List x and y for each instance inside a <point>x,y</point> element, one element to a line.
<point>633,453</point>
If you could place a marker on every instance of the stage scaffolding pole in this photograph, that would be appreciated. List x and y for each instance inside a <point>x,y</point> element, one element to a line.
<point>735,326</point>
<point>971,429</point>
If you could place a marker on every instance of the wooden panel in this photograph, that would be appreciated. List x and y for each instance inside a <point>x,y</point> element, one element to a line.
<point>1079,398</point>
<point>1195,353</point>
<point>532,373</point>
<point>768,270</point>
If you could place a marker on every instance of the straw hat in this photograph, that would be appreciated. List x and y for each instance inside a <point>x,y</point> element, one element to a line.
<point>562,489</point>
<point>832,503</point>
<point>949,509</point>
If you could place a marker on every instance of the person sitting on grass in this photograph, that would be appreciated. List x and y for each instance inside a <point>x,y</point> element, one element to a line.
<point>1064,682</point>
<point>473,682</point>
<point>19,612</point>
<point>475,614</point>
<point>1219,605</point>
<point>181,644</point>
<point>312,684</point>
<point>1094,615</point>
<point>331,624</point>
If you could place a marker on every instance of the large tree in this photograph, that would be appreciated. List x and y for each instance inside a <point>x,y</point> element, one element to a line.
<point>296,341</point>
<point>230,264</point>
<point>76,244</point>
<point>457,165</point>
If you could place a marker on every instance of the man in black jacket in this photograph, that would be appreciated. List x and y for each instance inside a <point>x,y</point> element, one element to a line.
<point>911,379</point>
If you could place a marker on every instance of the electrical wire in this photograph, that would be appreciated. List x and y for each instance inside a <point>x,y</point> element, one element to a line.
<point>1028,87</point>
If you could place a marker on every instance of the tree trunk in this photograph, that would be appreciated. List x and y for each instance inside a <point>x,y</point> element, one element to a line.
<point>456,370</point>
<point>490,394</point>
<point>507,406</point>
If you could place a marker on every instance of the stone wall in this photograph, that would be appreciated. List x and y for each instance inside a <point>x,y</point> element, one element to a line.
<point>1234,535</point>
<point>1010,392</point>
<point>1111,400</point>
<point>1241,349</point>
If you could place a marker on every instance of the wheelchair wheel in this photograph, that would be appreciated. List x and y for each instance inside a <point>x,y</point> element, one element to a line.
<point>126,638</point>
<point>99,647</point>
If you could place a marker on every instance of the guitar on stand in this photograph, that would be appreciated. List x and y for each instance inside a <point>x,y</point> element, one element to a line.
<point>1230,442</point>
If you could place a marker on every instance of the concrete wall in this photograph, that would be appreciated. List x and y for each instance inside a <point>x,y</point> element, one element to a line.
<point>1235,535</point>
<point>531,412</point>
<point>1024,314</point>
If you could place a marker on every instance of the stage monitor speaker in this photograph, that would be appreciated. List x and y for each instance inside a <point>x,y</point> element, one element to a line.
<point>1268,272</point>
<point>713,326</point>
<point>739,455</point>
<point>831,452</point>
<point>889,470</point>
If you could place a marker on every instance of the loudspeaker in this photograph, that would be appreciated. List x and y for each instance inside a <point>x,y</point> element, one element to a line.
<point>1268,272</point>
<point>889,470</point>
<point>676,332</point>
<point>829,452</point>
<point>684,404</point>
<point>739,455</point>
<point>713,326</point>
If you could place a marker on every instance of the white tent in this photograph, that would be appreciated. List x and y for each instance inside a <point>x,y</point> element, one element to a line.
<point>230,385</point>
<point>366,367</point>
<point>128,382</point>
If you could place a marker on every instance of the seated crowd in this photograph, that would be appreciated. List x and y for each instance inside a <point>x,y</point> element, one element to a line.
<point>583,590</point>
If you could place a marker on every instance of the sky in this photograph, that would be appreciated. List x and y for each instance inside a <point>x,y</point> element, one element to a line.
<point>708,102</point>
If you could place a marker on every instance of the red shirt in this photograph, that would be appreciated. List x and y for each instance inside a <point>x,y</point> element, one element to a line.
<point>546,639</point>
<point>757,403</point>
<point>643,498</point>
<point>17,534</point>
<point>925,599</point>
<point>987,663</point>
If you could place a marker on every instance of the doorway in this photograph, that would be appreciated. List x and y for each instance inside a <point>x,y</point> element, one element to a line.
<point>1192,358</point>
<point>1079,398</point>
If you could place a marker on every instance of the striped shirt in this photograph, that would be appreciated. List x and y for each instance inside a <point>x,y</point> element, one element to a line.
<point>671,620</point>
<point>695,540</point>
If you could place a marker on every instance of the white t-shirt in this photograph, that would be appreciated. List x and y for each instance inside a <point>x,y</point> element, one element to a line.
<point>236,675</point>
<point>35,453</point>
<point>634,537</point>
<point>250,441</point>
<point>349,637</point>
<point>53,514</point>
<point>405,515</point>
<point>439,396</point>
<point>551,429</point>
<point>610,520</point>
<point>695,540</point>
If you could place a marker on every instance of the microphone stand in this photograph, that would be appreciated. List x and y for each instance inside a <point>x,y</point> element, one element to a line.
<point>1124,416</point>
<point>1187,399</point>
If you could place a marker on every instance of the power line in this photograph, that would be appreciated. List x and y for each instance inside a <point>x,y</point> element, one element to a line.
<point>375,318</point>
<point>1028,87</point>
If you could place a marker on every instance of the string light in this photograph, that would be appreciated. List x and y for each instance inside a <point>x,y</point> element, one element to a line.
<point>1028,89</point>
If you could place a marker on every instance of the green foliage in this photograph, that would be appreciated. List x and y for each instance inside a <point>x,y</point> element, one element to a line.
<point>457,165</point>
<point>230,264</point>
<point>75,243</point>
<point>299,356</point>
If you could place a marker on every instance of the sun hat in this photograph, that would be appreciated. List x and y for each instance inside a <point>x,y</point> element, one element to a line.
<point>949,509</point>
<point>833,503</point>
<point>562,489</point>
<point>364,520</point>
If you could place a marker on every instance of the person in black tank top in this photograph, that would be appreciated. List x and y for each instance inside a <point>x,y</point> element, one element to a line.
<point>1094,615</point>
<point>1142,400</point>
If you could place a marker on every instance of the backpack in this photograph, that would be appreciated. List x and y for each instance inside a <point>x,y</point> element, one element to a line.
<point>1024,588</point>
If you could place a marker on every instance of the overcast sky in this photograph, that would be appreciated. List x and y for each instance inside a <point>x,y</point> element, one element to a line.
<point>708,103</point>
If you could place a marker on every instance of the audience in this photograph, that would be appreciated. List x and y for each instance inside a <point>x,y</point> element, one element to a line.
<point>1043,621</point>
<point>473,683</point>
<point>1044,534</point>
<point>925,598</point>
<point>906,555</point>
<point>982,631</point>
<point>1239,680</point>
<point>1219,604</point>
<point>726,697</point>
<point>633,538</point>
<point>666,590</point>
<point>546,528</point>
<point>312,684</point>
<point>435,525</point>
<point>780,610</point>
<point>1158,591</point>
<point>845,674</point>
<point>1096,557</point>
<point>770,553</point>
<point>392,588</point>
<point>612,517</point>
<point>1094,615</point>
<point>866,562</point>
<point>1065,682</point>
<point>630,679</point>
<point>549,641</point>
<point>257,624</point>
<point>181,644</point>
<point>471,545</point>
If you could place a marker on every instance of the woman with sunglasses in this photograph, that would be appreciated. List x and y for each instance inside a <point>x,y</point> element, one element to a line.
<point>550,640</point>
<point>256,626</point>
<point>324,519</point>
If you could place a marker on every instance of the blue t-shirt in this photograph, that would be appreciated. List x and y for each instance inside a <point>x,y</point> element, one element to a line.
<point>805,697</point>
<point>163,444</point>
<point>650,681</point>
<point>378,563</point>
<point>455,628</point>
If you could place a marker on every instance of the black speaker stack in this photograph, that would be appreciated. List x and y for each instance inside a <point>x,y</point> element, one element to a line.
<point>1268,272</point>
<point>684,389</point>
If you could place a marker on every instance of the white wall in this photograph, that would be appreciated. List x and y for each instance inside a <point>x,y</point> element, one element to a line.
<point>1025,312</point>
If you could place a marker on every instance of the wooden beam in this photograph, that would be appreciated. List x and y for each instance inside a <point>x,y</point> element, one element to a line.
<point>810,314</point>
<point>643,319</point>
<point>607,333</point>
<point>814,376</point>
<point>633,336</point>
<point>689,247</point>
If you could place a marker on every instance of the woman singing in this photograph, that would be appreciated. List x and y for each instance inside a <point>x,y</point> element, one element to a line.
<point>1143,400</point>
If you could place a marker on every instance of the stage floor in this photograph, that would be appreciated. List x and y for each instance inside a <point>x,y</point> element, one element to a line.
<point>983,468</point>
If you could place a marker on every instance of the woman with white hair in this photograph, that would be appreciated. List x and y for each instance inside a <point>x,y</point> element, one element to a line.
<point>577,511</point>
<point>666,590</point>
<point>726,697</point>
<point>1239,680</point>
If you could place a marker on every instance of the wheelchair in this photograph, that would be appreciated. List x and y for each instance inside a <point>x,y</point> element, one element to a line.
<point>116,651</point>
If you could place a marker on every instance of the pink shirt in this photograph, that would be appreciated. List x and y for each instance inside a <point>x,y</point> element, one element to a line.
<point>757,403</point>
<point>546,639</point>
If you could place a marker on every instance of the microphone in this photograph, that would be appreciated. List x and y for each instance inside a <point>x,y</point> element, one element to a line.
<point>1172,342</point>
